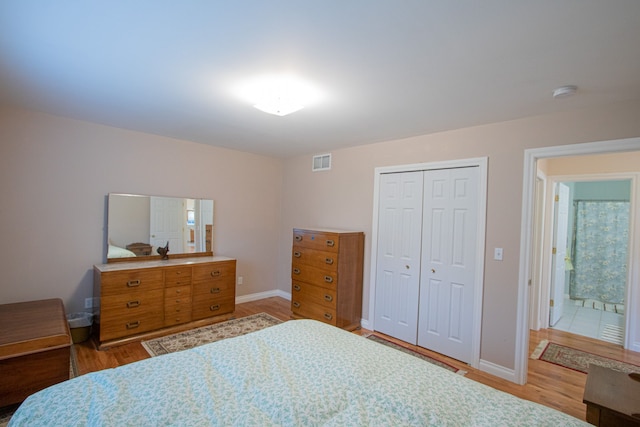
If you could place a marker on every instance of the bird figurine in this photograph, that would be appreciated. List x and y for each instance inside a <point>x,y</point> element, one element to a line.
<point>164,251</point>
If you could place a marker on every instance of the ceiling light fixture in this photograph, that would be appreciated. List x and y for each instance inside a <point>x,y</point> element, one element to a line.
<point>278,94</point>
<point>564,91</point>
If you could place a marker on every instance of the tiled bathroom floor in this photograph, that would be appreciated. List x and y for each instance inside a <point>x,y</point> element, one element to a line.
<point>599,324</point>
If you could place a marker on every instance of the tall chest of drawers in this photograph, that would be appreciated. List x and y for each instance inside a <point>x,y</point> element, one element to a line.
<point>326,276</point>
<point>142,297</point>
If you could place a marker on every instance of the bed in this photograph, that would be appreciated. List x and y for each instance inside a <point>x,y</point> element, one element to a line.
<point>298,373</point>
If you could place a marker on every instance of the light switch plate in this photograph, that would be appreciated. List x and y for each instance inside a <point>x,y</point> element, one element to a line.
<point>497,254</point>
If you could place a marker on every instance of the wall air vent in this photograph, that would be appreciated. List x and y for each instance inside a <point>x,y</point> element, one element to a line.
<point>321,162</point>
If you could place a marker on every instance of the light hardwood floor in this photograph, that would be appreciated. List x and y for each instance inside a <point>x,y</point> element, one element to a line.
<point>548,384</point>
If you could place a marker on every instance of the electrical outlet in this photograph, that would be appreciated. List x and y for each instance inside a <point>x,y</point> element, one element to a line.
<point>88,303</point>
<point>240,280</point>
<point>497,254</point>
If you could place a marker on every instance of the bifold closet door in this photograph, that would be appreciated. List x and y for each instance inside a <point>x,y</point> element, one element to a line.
<point>447,287</point>
<point>398,257</point>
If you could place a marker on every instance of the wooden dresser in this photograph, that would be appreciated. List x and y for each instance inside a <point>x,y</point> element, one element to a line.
<point>326,276</point>
<point>141,297</point>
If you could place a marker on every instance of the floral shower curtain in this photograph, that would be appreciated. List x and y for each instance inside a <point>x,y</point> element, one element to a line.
<point>600,240</point>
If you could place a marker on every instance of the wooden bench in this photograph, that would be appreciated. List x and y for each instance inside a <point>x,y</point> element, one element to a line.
<point>35,348</point>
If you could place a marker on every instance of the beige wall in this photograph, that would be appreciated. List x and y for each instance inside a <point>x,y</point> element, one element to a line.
<point>55,175</point>
<point>343,196</point>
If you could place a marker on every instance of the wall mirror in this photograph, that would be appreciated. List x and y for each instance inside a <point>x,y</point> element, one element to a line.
<point>137,225</point>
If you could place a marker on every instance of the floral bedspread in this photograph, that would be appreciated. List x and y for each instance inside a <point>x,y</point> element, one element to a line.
<point>298,373</point>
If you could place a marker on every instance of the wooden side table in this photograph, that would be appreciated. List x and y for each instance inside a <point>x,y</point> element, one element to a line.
<point>35,348</point>
<point>612,398</point>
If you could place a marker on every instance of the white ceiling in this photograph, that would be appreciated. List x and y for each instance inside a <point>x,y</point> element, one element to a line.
<point>389,69</point>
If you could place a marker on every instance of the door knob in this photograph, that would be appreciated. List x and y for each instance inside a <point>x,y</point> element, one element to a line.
<point>407,267</point>
<point>433,270</point>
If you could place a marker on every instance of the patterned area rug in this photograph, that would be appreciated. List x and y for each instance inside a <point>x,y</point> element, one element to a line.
<point>7,412</point>
<point>208,334</point>
<point>416,354</point>
<point>577,360</point>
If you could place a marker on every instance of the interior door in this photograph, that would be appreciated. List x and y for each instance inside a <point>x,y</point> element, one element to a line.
<point>447,282</point>
<point>398,262</point>
<point>166,223</point>
<point>559,252</point>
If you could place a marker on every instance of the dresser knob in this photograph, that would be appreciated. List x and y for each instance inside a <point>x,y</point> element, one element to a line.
<point>331,243</point>
<point>132,304</point>
<point>328,316</point>
<point>298,238</point>
<point>329,261</point>
<point>328,279</point>
<point>296,304</point>
<point>296,271</point>
<point>133,325</point>
<point>328,298</point>
<point>297,254</point>
<point>215,273</point>
<point>214,307</point>
<point>296,288</point>
<point>133,283</point>
<point>215,290</point>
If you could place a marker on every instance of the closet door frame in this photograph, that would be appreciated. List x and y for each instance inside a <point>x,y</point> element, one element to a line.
<point>482,164</point>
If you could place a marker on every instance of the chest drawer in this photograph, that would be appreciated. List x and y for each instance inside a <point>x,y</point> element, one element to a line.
<point>319,240</point>
<point>324,260</point>
<point>207,307</point>
<point>177,305</point>
<point>131,313</point>
<point>143,280</point>
<point>315,294</point>
<point>177,276</point>
<point>213,271</point>
<point>305,308</point>
<point>316,276</point>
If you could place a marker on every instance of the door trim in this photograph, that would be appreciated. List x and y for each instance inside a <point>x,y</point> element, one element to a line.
<point>531,156</point>
<point>482,164</point>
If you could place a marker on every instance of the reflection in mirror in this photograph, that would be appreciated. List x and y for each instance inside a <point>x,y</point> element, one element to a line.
<point>138,225</point>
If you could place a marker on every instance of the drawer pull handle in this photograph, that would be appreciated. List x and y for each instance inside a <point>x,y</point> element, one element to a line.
<point>329,261</point>
<point>178,301</point>
<point>133,325</point>
<point>132,304</point>
<point>328,298</point>
<point>297,254</point>
<point>215,273</point>
<point>296,288</point>
<point>214,307</point>
<point>296,304</point>
<point>298,238</point>
<point>215,290</point>
<point>328,279</point>
<point>133,283</point>
<point>178,291</point>
<point>331,243</point>
<point>328,316</point>
<point>296,271</point>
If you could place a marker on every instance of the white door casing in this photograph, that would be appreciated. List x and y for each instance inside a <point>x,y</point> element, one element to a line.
<point>560,234</point>
<point>398,255</point>
<point>448,261</point>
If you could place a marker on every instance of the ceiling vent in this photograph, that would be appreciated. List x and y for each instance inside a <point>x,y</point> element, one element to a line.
<point>321,162</point>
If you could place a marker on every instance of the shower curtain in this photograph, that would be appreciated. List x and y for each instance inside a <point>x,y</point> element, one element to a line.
<point>599,250</point>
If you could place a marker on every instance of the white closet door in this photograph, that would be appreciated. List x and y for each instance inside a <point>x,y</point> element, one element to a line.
<point>448,261</point>
<point>398,262</point>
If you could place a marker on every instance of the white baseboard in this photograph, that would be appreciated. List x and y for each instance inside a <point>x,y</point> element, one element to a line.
<point>263,295</point>
<point>498,371</point>
<point>365,324</point>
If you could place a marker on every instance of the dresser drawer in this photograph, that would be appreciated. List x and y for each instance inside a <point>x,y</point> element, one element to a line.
<point>322,296</point>
<point>304,308</point>
<point>177,276</point>
<point>207,307</point>
<point>319,240</point>
<point>214,270</point>
<point>183,292</point>
<point>214,288</point>
<point>131,313</point>
<point>118,282</point>
<point>313,275</point>
<point>175,314</point>
<point>327,261</point>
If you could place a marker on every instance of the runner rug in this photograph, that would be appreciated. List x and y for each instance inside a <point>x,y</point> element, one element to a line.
<point>208,334</point>
<point>416,354</point>
<point>577,360</point>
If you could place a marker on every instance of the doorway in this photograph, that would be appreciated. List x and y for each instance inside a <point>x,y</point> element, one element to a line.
<point>589,280</point>
<point>532,157</point>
